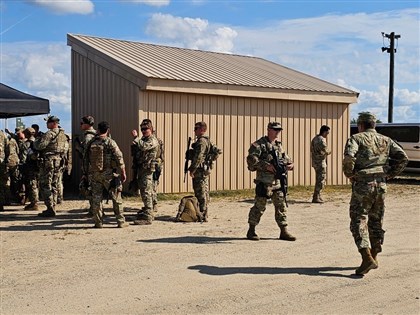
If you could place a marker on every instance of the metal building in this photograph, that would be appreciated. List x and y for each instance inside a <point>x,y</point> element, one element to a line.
<point>124,82</point>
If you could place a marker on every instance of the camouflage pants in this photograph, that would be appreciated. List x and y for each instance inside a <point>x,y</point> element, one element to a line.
<point>48,180</point>
<point>367,206</point>
<point>280,212</point>
<point>31,186</point>
<point>60,186</point>
<point>4,176</point>
<point>201,189</point>
<point>98,182</point>
<point>155,186</point>
<point>320,175</point>
<point>17,190</point>
<point>147,191</point>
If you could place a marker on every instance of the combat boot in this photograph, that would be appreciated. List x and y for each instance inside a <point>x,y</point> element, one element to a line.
<point>316,198</point>
<point>285,235</point>
<point>122,224</point>
<point>31,206</point>
<point>368,262</point>
<point>47,213</point>
<point>376,249</point>
<point>251,235</point>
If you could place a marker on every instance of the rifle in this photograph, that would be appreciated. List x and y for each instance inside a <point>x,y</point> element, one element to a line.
<point>281,173</point>
<point>113,185</point>
<point>187,157</point>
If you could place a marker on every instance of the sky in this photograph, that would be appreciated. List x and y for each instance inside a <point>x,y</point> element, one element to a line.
<point>337,41</point>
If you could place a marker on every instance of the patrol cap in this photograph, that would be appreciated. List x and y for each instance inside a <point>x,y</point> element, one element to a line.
<point>201,124</point>
<point>274,125</point>
<point>366,117</point>
<point>88,120</point>
<point>29,131</point>
<point>53,119</point>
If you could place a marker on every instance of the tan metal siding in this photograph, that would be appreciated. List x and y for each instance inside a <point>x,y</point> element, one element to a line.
<point>98,92</point>
<point>233,124</point>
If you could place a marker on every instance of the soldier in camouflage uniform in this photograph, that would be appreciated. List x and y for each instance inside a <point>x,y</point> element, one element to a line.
<point>369,160</point>
<point>198,170</point>
<point>31,170</point>
<point>8,158</point>
<point>102,160</point>
<point>51,147</point>
<point>66,162</point>
<point>319,152</point>
<point>260,159</point>
<point>86,124</point>
<point>146,154</point>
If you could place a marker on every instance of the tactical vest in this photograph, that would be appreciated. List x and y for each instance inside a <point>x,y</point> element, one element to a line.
<point>99,154</point>
<point>3,144</point>
<point>58,143</point>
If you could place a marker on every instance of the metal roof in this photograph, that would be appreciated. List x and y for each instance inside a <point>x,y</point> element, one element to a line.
<point>188,65</point>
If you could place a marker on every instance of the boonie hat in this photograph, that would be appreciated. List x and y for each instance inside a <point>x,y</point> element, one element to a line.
<point>274,125</point>
<point>366,117</point>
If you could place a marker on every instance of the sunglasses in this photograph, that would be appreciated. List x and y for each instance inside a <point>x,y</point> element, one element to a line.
<point>196,128</point>
<point>144,129</point>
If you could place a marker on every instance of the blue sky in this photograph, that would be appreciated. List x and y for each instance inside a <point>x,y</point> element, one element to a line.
<point>337,41</point>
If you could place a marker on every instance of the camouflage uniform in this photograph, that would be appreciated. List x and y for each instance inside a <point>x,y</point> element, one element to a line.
<point>200,181</point>
<point>66,162</point>
<point>101,160</point>
<point>319,152</point>
<point>31,170</point>
<point>8,158</point>
<point>369,159</point>
<point>51,147</point>
<point>259,157</point>
<point>13,171</point>
<point>146,151</point>
<point>160,159</point>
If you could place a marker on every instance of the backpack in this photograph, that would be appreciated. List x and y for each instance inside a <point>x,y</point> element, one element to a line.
<point>213,153</point>
<point>96,149</point>
<point>189,210</point>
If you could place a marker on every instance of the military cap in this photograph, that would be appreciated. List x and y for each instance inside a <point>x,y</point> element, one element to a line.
<point>146,123</point>
<point>274,125</point>
<point>29,131</point>
<point>53,119</point>
<point>18,129</point>
<point>201,124</point>
<point>88,120</point>
<point>366,117</point>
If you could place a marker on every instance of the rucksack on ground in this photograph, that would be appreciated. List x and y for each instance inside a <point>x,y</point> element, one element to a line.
<point>189,210</point>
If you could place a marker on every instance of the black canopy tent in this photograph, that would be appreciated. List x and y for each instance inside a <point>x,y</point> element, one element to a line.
<point>14,103</point>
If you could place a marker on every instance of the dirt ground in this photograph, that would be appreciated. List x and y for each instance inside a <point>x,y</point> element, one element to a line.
<point>63,266</point>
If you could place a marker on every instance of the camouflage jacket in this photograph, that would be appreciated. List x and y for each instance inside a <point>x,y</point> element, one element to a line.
<point>52,143</point>
<point>145,153</point>
<point>370,153</point>
<point>80,146</point>
<point>111,156</point>
<point>260,157</point>
<point>8,151</point>
<point>319,151</point>
<point>198,154</point>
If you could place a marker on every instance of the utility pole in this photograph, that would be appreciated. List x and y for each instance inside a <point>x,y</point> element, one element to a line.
<point>391,50</point>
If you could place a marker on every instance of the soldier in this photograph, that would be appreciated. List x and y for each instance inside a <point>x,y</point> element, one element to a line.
<point>260,159</point>
<point>8,158</point>
<point>369,160</point>
<point>86,124</point>
<point>319,152</point>
<point>31,170</point>
<point>51,146</point>
<point>199,170</point>
<point>102,160</point>
<point>66,164</point>
<point>16,176</point>
<point>38,134</point>
<point>146,153</point>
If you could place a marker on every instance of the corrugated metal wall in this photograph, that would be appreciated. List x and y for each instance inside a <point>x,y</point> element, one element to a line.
<point>99,92</point>
<point>233,124</point>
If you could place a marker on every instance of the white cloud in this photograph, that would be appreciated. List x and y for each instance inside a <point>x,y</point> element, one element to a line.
<point>42,69</point>
<point>156,3</point>
<point>191,33</point>
<point>66,6</point>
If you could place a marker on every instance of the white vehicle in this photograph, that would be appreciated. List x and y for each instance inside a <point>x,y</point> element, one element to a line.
<point>407,135</point>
